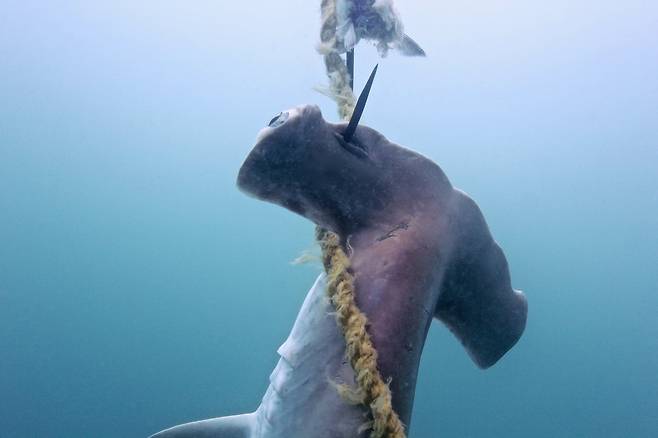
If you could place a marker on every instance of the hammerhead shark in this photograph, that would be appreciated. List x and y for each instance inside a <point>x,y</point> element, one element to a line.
<point>419,249</point>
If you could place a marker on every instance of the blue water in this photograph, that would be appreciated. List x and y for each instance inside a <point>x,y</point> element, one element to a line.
<point>139,289</point>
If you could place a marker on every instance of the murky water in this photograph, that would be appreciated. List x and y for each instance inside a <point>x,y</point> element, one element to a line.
<point>139,289</point>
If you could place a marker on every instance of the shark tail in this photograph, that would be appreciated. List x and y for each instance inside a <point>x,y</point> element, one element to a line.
<point>236,426</point>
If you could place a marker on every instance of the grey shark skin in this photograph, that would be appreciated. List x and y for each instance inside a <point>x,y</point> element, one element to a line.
<point>420,249</point>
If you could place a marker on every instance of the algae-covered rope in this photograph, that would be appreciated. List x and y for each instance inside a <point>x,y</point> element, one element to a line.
<point>371,388</point>
<point>340,79</point>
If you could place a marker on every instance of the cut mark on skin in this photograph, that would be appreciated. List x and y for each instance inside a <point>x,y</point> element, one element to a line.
<point>398,227</point>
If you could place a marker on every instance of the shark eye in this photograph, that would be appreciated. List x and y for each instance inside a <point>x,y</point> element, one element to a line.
<point>278,120</point>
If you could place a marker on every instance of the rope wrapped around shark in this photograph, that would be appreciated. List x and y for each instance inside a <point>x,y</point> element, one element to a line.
<point>344,22</point>
<point>400,244</point>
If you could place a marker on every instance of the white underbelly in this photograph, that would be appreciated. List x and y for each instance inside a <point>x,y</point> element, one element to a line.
<point>301,400</point>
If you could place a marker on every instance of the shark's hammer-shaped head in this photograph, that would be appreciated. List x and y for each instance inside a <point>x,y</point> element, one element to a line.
<point>304,164</point>
<point>353,181</point>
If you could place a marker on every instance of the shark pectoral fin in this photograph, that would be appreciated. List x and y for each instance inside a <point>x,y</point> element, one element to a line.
<point>477,301</point>
<point>409,47</point>
<point>237,426</point>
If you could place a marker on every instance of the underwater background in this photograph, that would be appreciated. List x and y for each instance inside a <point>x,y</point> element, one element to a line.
<point>140,289</point>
